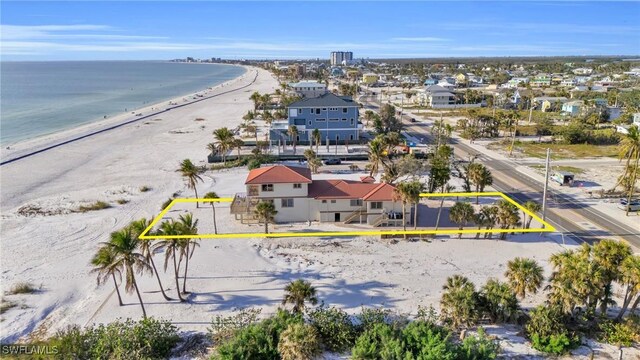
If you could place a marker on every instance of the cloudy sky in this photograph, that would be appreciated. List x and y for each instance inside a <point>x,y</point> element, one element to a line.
<point>164,29</point>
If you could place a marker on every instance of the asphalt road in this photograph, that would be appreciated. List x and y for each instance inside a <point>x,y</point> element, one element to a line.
<point>569,216</point>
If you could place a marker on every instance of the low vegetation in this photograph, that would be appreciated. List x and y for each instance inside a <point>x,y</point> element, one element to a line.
<point>559,151</point>
<point>122,201</point>
<point>145,188</point>
<point>6,305</point>
<point>98,205</point>
<point>23,288</point>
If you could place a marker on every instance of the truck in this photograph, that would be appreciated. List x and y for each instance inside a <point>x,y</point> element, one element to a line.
<point>563,178</point>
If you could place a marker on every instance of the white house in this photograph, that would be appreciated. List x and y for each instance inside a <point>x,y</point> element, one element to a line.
<point>299,198</point>
<point>309,88</point>
<point>437,95</point>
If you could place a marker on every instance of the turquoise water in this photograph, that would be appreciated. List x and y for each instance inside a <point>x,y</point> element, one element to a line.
<point>38,98</point>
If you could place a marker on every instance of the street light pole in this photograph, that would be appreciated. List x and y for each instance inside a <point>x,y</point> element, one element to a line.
<point>546,185</point>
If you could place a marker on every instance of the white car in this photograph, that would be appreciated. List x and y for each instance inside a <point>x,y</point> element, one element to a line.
<point>635,205</point>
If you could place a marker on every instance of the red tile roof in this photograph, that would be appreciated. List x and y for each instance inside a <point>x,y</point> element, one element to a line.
<point>279,174</point>
<point>348,189</point>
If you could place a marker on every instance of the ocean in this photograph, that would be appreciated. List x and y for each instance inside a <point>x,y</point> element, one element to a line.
<point>39,98</point>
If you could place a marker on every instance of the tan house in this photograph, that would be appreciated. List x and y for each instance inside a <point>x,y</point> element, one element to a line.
<point>299,198</point>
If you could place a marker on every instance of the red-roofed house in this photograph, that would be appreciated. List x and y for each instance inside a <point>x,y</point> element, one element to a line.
<point>299,198</point>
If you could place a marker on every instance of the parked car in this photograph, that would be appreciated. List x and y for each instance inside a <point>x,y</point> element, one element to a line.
<point>635,205</point>
<point>334,161</point>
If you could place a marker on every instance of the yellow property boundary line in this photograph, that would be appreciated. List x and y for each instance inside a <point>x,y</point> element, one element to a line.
<point>546,226</point>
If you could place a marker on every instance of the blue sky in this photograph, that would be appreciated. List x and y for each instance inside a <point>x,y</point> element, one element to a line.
<point>166,30</point>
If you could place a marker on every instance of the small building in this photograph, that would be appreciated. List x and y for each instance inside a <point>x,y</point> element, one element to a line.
<point>299,198</point>
<point>449,86</point>
<point>572,108</point>
<point>437,95</point>
<point>549,103</point>
<point>370,78</point>
<point>309,88</point>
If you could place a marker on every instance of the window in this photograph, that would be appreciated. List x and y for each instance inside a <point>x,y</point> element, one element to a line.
<point>333,109</point>
<point>351,121</point>
<point>319,119</point>
<point>356,202</point>
<point>376,205</point>
<point>344,110</point>
<point>333,119</point>
<point>318,111</point>
<point>324,201</point>
<point>343,119</point>
<point>286,203</point>
<point>297,186</point>
<point>309,122</point>
<point>333,201</point>
<point>311,110</point>
<point>267,187</point>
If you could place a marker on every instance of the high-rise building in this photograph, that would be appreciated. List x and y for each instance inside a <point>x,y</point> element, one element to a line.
<point>341,57</point>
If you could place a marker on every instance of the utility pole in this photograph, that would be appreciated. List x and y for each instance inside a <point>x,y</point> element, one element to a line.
<point>513,139</point>
<point>546,184</point>
<point>530,112</point>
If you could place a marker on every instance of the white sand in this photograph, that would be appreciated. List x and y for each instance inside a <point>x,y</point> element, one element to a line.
<point>224,274</point>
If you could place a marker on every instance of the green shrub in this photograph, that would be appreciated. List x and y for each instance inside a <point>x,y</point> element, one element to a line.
<point>145,339</point>
<point>22,288</point>
<point>479,347</point>
<point>335,328</point>
<point>547,330</point>
<point>299,342</point>
<point>427,341</point>
<point>98,205</point>
<point>6,305</point>
<point>224,328</point>
<point>122,201</point>
<point>369,317</point>
<point>253,164</point>
<point>259,340</point>
<point>619,334</point>
<point>379,341</point>
<point>553,344</point>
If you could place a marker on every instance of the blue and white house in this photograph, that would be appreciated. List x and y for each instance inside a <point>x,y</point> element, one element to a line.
<point>335,116</point>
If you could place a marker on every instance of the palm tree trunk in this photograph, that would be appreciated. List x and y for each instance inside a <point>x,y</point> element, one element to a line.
<point>117,290</point>
<point>635,304</point>
<point>439,212</point>
<point>186,269</point>
<point>266,227</point>
<point>155,271</point>
<point>175,272</point>
<point>135,284</point>
<point>633,185</point>
<point>215,226</point>
<point>625,303</point>
<point>195,189</point>
<point>415,215</point>
<point>460,234</point>
<point>404,220</point>
<point>478,233</point>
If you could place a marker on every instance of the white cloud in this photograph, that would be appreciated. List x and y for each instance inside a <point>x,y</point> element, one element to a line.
<point>420,39</point>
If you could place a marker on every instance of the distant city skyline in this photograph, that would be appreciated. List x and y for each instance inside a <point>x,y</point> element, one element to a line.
<point>293,30</point>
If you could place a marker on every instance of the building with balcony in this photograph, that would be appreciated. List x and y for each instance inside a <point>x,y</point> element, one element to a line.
<point>336,117</point>
<point>299,198</point>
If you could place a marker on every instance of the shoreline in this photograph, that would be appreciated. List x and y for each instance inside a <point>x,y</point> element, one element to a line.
<point>20,149</point>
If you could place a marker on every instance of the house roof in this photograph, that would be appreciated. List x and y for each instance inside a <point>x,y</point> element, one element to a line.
<point>279,174</point>
<point>307,84</point>
<point>325,100</point>
<point>349,189</point>
<point>435,89</point>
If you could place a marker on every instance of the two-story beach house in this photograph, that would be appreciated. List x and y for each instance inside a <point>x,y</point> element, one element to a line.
<point>299,198</point>
<point>308,88</point>
<point>438,96</point>
<point>336,117</point>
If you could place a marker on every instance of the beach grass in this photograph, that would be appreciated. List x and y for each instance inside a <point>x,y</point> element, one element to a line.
<point>122,201</point>
<point>98,205</point>
<point>22,288</point>
<point>571,169</point>
<point>145,188</point>
<point>6,305</point>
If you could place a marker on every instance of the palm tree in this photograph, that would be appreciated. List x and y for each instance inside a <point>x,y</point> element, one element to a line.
<point>265,212</point>
<point>212,147</point>
<point>608,256</point>
<point>125,247</point>
<point>417,188</point>
<point>461,213</point>
<point>376,153</point>
<point>489,219</point>
<point>446,188</point>
<point>480,176</point>
<point>312,160</point>
<point>524,275</point>
<point>533,207</point>
<point>104,265</point>
<point>630,151</point>
<point>213,195</point>
<point>171,249</point>
<point>224,141</point>
<point>187,226</point>
<point>499,301</point>
<point>507,216</point>
<point>293,134</point>
<point>403,194</point>
<point>458,303</point>
<point>190,173</point>
<point>630,280</point>
<point>238,144</point>
<point>297,293</point>
<point>317,137</point>
<point>257,98</point>
<point>147,249</point>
